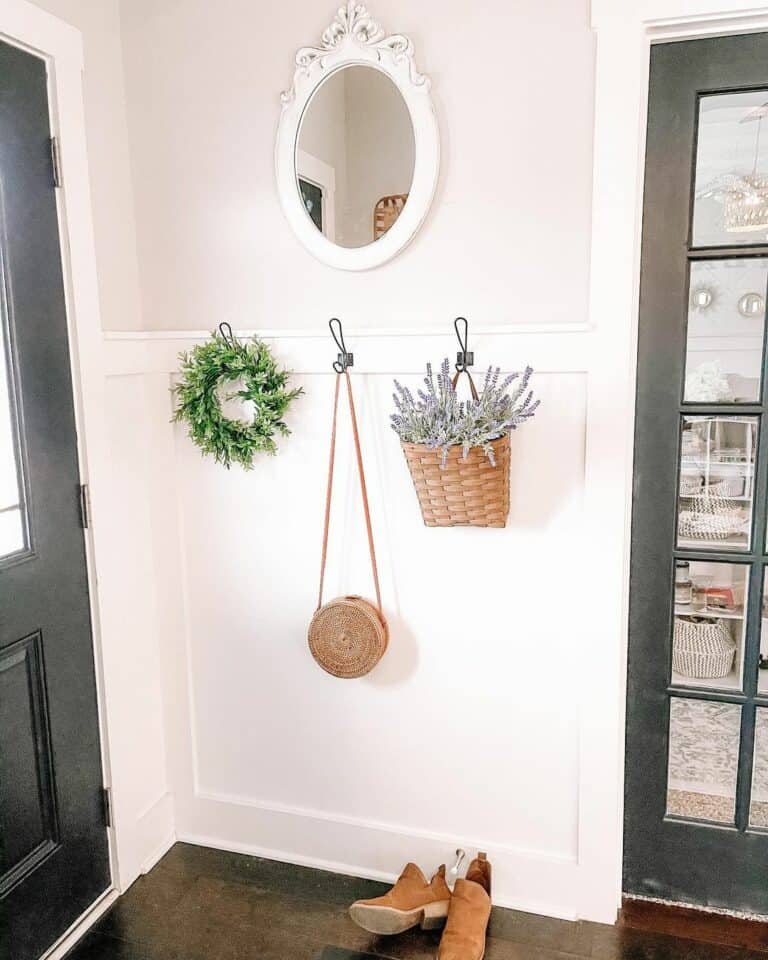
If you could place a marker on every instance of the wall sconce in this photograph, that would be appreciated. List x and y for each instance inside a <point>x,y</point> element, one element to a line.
<point>751,305</point>
<point>701,298</point>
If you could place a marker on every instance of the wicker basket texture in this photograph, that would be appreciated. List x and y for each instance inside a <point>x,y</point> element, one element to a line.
<point>726,487</point>
<point>470,493</point>
<point>386,211</point>
<point>690,484</point>
<point>711,518</point>
<point>348,637</point>
<point>703,649</point>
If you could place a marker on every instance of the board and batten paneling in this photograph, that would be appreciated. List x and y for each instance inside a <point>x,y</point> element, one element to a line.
<point>132,641</point>
<point>468,732</point>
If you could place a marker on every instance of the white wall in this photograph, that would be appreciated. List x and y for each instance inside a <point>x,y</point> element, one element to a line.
<point>107,132</point>
<point>513,88</point>
<point>470,732</point>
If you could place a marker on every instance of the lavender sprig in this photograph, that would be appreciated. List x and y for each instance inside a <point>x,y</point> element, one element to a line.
<point>439,420</point>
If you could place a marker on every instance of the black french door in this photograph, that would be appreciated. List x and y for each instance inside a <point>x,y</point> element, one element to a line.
<point>696,796</point>
<point>53,841</point>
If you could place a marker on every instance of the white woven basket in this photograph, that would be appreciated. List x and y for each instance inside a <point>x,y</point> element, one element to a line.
<point>703,649</point>
<point>710,518</point>
<point>690,484</point>
<point>726,487</point>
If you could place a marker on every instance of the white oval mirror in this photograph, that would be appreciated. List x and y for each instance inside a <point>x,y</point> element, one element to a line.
<point>357,148</point>
<point>354,156</point>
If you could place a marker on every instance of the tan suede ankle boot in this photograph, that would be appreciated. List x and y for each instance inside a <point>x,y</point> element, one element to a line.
<point>412,901</point>
<point>468,914</point>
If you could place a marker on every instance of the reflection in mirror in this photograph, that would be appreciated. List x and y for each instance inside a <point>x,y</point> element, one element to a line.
<point>355,156</point>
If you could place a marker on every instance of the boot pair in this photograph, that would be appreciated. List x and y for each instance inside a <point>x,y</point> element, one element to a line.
<point>415,902</point>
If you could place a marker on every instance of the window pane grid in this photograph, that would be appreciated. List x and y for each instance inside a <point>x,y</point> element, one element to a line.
<point>718,734</point>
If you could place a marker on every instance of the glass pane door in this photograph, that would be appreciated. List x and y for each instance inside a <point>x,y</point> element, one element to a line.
<point>720,455</point>
<point>13,519</point>
<point>696,797</point>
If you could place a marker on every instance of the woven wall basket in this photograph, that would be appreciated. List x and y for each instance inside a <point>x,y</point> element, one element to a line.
<point>470,493</point>
<point>386,211</point>
<point>702,648</point>
<point>347,637</point>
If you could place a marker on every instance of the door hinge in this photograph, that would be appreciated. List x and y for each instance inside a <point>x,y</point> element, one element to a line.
<point>85,506</point>
<point>55,161</point>
<point>106,806</point>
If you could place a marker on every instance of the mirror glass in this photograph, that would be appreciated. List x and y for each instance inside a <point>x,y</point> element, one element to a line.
<point>355,156</point>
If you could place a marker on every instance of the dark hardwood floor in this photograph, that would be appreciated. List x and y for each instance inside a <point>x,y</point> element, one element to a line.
<point>201,904</point>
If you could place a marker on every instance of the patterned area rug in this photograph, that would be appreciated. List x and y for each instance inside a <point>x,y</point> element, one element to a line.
<point>703,806</point>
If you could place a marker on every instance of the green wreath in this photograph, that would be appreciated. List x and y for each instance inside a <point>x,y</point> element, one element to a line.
<point>221,359</point>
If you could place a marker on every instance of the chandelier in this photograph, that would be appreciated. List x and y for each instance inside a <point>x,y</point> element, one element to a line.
<point>744,196</point>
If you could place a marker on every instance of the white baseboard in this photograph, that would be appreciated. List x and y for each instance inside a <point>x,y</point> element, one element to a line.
<point>144,840</point>
<point>547,908</point>
<point>267,853</point>
<point>159,852</point>
<point>523,880</point>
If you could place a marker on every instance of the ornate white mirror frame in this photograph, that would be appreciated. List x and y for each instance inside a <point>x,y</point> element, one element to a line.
<point>355,37</point>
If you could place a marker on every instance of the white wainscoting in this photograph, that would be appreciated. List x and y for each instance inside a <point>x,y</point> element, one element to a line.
<point>471,732</point>
<point>133,643</point>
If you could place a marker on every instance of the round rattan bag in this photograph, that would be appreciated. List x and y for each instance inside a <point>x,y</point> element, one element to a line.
<point>348,637</point>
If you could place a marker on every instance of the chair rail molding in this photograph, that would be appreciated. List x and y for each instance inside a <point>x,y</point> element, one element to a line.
<point>551,348</point>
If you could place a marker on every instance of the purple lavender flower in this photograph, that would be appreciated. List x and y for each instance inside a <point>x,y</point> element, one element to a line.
<point>438,419</point>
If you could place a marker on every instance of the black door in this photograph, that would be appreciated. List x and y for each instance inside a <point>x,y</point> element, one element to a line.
<point>53,842</point>
<point>696,821</point>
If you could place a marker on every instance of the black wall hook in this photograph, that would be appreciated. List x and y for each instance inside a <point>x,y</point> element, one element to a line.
<point>226,334</point>
<point>464,358</point>
<point>344,359</point>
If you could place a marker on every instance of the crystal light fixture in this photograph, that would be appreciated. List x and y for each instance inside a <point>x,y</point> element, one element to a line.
<point>746,207</point>
<point>744,196</point>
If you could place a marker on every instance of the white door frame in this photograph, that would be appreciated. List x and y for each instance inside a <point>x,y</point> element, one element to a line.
<point>60,45</point>
<point>625,31</point>
<point>312,168</point>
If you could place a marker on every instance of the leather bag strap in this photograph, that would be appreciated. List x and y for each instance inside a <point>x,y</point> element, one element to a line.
<point>363,490</point>
<point>472,388</point>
